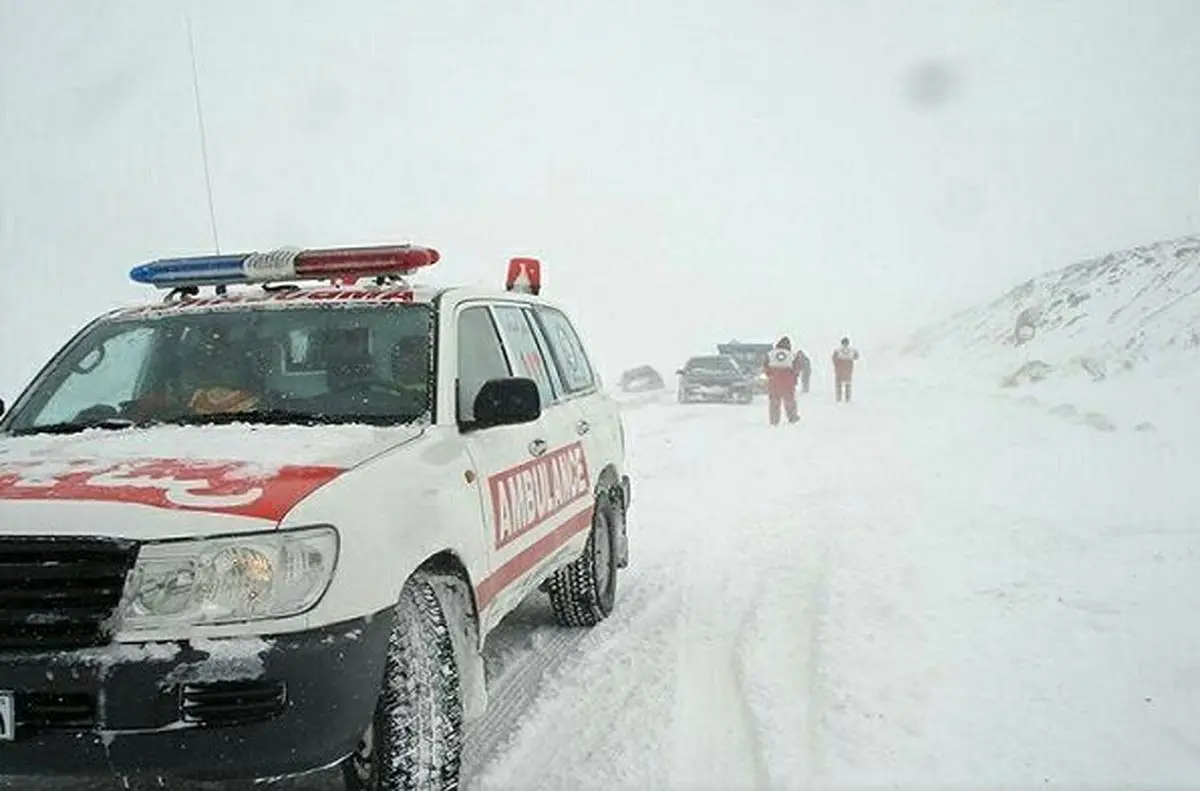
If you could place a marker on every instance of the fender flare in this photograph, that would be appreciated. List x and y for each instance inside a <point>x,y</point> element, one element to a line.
<point>456,595</point>
<point>614,490</point>
<point>613,485</point>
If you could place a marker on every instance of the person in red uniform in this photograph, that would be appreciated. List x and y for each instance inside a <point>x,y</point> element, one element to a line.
<point>844,358</point>
<point>783,370</point>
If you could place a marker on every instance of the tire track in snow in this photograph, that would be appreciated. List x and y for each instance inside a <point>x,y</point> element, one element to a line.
<point>743,676</point>
<point>780,660</point>
<point>579,709</point>
<point>748,677</point>
<point>819,611</point>
<point>514,694</point>
<point>716,742</point>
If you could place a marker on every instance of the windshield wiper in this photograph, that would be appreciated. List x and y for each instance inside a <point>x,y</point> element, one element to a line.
<point>285,417</point>
<point>277,417</point>
<point>271,417</point>
<point>75,427</point>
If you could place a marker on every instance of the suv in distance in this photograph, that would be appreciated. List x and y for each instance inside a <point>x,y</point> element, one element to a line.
<point>714,378</point>
<point>267,529</point>
<point>751,358</point>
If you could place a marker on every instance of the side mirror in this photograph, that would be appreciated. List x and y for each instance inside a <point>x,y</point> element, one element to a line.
<point>679,372</point>
<point>507,402</point>
<point>2,407</point>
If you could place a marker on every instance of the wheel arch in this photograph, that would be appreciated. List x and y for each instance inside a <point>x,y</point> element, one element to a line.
<point>613,490</point>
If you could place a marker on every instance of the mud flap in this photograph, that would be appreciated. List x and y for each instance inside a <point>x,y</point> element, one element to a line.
<point>621,539</point>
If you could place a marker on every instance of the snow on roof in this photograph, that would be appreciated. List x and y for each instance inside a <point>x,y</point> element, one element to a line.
<point>254,298</point>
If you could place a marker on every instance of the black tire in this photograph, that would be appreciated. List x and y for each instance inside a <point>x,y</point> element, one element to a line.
<point>415,739</point>
<point>583,592</point>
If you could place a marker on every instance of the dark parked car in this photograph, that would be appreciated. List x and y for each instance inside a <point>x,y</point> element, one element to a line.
<point>715,377</point>
<point>751,358</point>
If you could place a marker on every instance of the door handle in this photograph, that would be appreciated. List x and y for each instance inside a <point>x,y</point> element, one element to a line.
<point>582,427</point>
<point>537,447</point>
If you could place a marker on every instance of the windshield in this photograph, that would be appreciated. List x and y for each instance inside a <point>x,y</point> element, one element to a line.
<point>749,358</point>
<point>269,365</point>
<point>711,365</point>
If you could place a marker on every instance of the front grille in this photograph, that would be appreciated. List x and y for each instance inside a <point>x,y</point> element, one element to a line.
<point>232,702</point>
<point>58,593</point>
<point>51,710</point>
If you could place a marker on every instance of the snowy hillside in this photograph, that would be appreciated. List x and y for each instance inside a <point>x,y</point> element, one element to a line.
<point>1095,319</point>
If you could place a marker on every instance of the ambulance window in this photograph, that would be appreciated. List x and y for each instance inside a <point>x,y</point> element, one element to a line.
<point>544,345</point>
<point>567,350</point>
<point>480,358</point>
<point>104,373</point>
<point>524,352</point>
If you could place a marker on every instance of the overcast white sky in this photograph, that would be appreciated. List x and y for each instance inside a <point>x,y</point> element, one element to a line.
<point>688,172</point>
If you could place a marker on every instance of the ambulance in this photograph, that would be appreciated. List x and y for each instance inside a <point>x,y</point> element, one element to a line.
<point>264,524</point>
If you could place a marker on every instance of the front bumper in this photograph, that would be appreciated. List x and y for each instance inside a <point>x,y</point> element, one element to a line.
<point>237,708</point>
<point>718,391</point>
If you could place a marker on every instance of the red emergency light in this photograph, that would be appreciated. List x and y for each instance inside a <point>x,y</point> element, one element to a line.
<point>524,275</point>
<point>348,262</point>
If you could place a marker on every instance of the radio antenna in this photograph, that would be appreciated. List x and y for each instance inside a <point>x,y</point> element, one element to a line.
<point>212,211</point>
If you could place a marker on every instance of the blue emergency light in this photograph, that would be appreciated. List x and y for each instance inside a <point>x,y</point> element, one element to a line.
<point>284,264</point>
<point>197,271</point>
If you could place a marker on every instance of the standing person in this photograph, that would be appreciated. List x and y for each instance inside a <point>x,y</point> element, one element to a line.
<point>844,357</point>
<point>782,369</point>
<point>805,370</point>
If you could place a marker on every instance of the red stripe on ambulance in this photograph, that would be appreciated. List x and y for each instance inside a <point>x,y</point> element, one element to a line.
<point>224,487</point>
<point>527,495</point>
<point>531,556</point>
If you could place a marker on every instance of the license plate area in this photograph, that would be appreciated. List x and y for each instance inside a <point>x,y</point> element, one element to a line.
<point>8,716</point>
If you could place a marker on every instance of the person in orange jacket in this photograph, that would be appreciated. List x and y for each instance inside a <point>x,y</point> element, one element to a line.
<point>783,371</point>
<point>844,357</point>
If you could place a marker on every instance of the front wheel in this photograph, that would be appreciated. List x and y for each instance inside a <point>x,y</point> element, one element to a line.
<point>414,742</point>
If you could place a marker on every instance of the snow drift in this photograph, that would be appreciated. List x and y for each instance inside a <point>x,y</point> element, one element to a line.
<point>1095,319</point>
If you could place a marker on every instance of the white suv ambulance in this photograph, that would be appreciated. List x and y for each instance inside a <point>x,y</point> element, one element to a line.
<point>265,530</point>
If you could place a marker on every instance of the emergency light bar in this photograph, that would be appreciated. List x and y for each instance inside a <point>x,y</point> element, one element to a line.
<point>284,264</point>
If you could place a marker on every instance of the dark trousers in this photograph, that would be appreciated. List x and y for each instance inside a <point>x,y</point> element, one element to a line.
<point>843,388</point>
<point>784,398</point>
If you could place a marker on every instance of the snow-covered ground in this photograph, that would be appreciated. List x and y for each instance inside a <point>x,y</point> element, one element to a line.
<point>942,585</point>
<point>937,586</point>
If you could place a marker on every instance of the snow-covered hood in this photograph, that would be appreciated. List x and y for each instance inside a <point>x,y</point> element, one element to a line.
<point>241,475</point>
<point>709,376</point>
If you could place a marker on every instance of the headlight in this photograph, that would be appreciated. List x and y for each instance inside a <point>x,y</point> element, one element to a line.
<point>223,580</point>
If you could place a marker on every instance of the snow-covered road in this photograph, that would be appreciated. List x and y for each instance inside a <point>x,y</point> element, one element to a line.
<point>924,589</point>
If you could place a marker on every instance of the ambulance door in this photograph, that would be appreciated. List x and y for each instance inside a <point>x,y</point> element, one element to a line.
<point>527,477</point>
